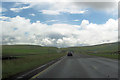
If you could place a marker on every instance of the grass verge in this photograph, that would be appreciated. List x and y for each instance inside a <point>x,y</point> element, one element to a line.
<point>26,61</point>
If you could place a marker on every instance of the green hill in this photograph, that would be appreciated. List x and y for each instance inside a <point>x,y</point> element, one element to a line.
<point>103,48</point>
<point>17,50</point>
<point>109,50</point>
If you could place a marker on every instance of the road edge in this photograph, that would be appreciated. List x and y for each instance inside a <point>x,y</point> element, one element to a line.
<point>27,75</point>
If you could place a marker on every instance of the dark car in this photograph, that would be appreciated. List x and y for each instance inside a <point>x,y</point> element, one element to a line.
<point>69,54</point>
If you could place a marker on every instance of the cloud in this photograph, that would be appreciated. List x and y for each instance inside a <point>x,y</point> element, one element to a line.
<point>61,1</point>
<point>32,14</point>
<point>52,21</point>
<point>19,30</point>
<point>84,23</point>
<point>108,7</point>
<point>19,9</point>
<point>72,7</point>
<point>0,9</point>
<point>77,12</point>
<point>61,7</point>
<point>51,9</point>
<point>50,12</point>
<point>76,20</point>
<point>4,18</point>
<point>96,5</point>
<point>58,12</point>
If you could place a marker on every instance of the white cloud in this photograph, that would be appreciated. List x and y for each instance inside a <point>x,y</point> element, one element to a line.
<point>50,12</point>
<point>19,9</point>
<point>55,8</point>
<point>4,18</point>
<point>58,8</point>
<point>84,23</point>
<point>0,9</point>
<point>76,20</point>
<point>32,14</point>
<point>51,20</point>
<point>61,1</point>
<point>57,12</point>
<point>51,9</point>
<point>19,30</point>
<point>77,12</point>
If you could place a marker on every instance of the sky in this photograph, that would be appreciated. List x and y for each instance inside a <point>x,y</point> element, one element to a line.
<point>59,24</point>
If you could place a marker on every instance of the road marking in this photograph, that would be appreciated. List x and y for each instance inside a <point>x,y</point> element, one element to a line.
<point>36,76</point>
<point>19,77</point>
<point>31,71</point>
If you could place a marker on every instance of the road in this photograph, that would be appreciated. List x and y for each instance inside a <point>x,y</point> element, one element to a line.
<point>81,66</point>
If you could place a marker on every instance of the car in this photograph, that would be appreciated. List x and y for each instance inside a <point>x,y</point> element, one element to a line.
<point>69,54</point>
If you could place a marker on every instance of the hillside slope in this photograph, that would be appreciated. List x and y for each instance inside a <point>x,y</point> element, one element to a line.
<point>103,48</point>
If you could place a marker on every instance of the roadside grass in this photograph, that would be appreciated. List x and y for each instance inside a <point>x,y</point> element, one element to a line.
<point>42,55</point>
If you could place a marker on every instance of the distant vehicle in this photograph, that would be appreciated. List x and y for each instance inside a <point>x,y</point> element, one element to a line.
<point>69,54</point>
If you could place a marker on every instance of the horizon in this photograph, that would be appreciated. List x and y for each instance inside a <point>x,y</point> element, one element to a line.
<point>56,46</point>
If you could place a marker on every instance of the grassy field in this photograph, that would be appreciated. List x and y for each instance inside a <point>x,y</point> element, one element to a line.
<point>28,57</point>
<point>109,50</point>
<point>113,56</point>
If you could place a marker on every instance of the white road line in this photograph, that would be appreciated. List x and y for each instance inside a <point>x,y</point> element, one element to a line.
<point>36,69</point>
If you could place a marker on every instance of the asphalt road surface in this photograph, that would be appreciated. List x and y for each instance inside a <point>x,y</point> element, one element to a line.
<point>81,66</point>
